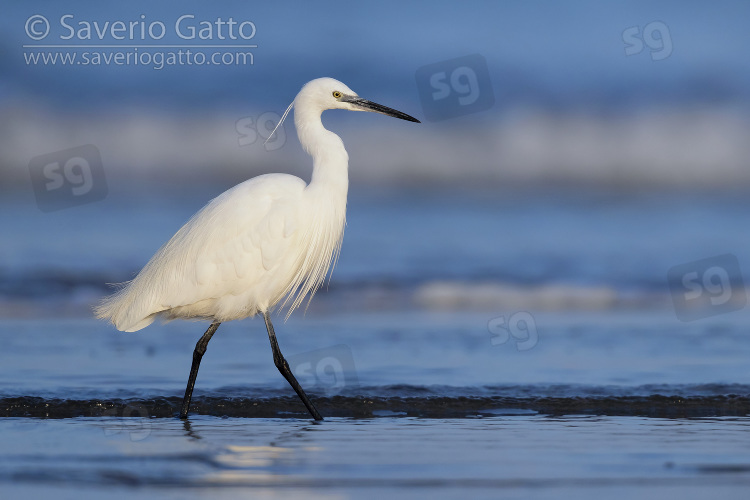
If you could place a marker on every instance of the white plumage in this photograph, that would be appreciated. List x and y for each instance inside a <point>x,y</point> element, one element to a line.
<point>266,241</point>
<point>269,238</point>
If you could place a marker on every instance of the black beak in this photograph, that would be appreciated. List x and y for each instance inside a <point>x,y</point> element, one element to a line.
<point>366,105</point>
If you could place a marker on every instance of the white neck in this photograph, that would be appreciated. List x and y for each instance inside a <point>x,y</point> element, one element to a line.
<point>330,159</point>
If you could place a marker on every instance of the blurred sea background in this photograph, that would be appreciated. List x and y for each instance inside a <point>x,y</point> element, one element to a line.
<point>509,313</point>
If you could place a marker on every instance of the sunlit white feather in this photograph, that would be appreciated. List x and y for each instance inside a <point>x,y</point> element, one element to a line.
<point>268,240</point>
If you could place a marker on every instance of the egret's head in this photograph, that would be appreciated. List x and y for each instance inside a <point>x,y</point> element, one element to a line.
<point>327,93</point>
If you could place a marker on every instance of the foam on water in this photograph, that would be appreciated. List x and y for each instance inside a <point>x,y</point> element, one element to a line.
<point>698,147</point>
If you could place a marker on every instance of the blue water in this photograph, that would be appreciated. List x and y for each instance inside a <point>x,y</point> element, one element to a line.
<point>433,269</point>
<point>531,50</point>
<point>403,336</point>
<point>402,239</point>
<point>566,102</point>
<point>541,298</point>
<point>517,457</point>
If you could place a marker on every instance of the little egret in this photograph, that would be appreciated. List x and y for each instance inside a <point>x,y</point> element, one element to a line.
<point>268,240</point>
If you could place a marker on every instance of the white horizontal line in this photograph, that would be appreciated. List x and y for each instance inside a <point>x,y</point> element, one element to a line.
<point>139,46</point>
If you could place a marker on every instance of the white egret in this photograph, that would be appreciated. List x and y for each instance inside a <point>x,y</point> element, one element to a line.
<point>268,240</point>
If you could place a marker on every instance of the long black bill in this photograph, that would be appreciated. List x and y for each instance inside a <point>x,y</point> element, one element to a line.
<point>378,108</point>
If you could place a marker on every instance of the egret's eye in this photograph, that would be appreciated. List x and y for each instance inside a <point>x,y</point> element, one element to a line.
<point>336,94</point>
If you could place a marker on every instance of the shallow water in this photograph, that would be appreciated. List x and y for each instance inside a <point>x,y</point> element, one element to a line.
<point>604,405</point>
<point>547,362</point>
<point>509,456</point>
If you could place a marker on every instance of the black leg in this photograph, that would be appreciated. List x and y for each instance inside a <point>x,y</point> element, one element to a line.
<point>283,366</point>
<point>200,349</point>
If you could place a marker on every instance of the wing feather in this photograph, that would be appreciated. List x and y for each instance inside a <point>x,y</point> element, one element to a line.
<point>225,248</point>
